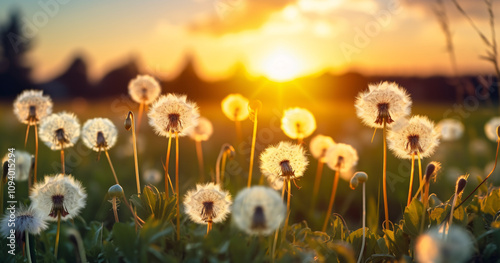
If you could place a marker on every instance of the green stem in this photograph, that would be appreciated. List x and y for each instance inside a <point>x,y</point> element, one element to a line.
<point>28,252</point>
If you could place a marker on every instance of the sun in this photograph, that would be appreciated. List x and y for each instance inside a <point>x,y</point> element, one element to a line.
<point>282,65</point>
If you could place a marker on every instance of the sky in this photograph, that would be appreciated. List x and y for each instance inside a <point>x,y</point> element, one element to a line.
<point>279,39</point>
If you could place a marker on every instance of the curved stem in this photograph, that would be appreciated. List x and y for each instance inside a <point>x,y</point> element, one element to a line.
<point>317,180</point>
<point>62,162</point>
<point>111,165</point>
<point>199,154</point>
<point>57,233</point>
<point>384,177</point>
<point>36,154</point>
<point>252,151</point>
<point>167,176</point>
<point>410,191</point>
<point>332,199</point>
<point>364,224</point>
<point>177,185</point>
<point>482,182</point>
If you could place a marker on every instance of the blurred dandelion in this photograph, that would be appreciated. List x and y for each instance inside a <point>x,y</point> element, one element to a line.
<point>341,158</point>
<point>173,115</point>
<point>361,177</point>
<point>26,221</point>
<point>457,247</point>
<point>254,108</point>
<point>30,107</point>
<point>235,107</point>
<point>59,131</point>
<point>379,107</point>
<point>201,132</point>
<point>258,210</point>
<point>298,123</point>
<point>151,176</point>
<point>490,128</point>
<point>143,89</point>
<point>59,197</point>
<point>207,204</point>
<point>23,165</point>
<point>450,129</point>
<point>318,146</point>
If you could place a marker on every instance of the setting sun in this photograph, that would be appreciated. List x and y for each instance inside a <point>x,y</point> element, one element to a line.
<point>282,65</point>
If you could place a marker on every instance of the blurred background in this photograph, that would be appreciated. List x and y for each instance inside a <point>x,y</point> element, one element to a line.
<point>316,54</point>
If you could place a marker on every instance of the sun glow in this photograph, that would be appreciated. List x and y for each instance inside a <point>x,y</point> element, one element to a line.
<point>282,65</point>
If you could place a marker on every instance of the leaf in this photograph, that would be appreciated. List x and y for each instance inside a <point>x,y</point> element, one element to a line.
<point>412,218</point>
<point>124,237</point>
<point>356,238</point>
<point>338,230</point>
<point>491,203</point>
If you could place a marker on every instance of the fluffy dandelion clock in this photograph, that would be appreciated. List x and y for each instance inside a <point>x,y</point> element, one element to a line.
<point>298,123</point>
<point>433,246</point>
<point>384,101</point>
<point>202,131</point>
<point>23,165</point>
<point>99,134</point>
<point>235,107</point>
<point>31,106</point>
<point>319,145</point>
<point>207,204</point>
<point>60,130</point>
<point>285,160</point>
<point>450,129</point>
<point>144,89</point>
<point>26,220</point>
<point>172,114</point>
<point>342,157</point>
<point>490,128</point>
<point>58,195</point>
<point>416,136</point>
<point>258,210</point>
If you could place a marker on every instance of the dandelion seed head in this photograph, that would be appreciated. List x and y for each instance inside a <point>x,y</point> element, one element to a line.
<point>173,113</point>
<point>258,210</point>
<point>298,123</point>
<point>285,160</point>
<point>433,246</point>
<point>207,203</point>
<point>416,135</point>
<point>490,128</point>
<point>60,130</point>
<point>58,194</point>
<point>383,101</point>
<point>235,107</point>
<point>342,157</point>
<point>202,131</point>
<point>319,145</point>
<point>23,165</point>
<point>144,89</point>
<point>99,134</point>
<point>450,129</point>
<point>31,106</point>
<point>151,176</point>
<point>26,220</point>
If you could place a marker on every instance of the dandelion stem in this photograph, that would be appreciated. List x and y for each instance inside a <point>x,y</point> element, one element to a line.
<point>484,180</point>
<point>223,168</point>
<point>136,162</point>
<point>287,183</point>
<point>317,180</point>
<point>425,200</point>
<point>421,178</point>
<point>167,176</point>
<point>252,151</point>
<point>115,209</point>
<point>177,184</point>
<point>384,176</point>
<point>36,154</point>
<point>139,118</point>
<point>26,137</point>
<point>239,136</point>
<point>199,154</point>
<point>410,190</point>
<point>332,199</point>
<point>364,224</point>
<point>300,140</point>
<point>273,252</point>
<point>62,162</point>
<point>209,226</point>
<point>28,253</point>
<point>58,232</point>
<point>111,165</point>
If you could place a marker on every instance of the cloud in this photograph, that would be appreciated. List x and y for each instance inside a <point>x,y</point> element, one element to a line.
<point>233,16</point>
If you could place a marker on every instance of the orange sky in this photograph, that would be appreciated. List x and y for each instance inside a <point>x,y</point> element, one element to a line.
<point>281,39</point>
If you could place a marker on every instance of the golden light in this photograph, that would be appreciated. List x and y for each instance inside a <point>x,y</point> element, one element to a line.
<point>282,65</point>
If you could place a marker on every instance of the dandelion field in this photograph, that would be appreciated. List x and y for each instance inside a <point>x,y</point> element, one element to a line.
<point>94,230</point>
